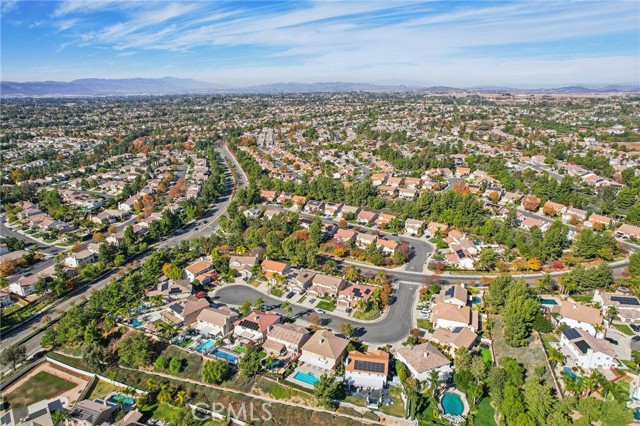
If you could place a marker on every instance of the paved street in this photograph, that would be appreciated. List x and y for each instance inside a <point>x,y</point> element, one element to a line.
<point>394,327</point>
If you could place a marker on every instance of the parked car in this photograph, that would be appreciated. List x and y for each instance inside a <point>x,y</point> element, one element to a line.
<point>320,311</point>
<point>267,307</point>
<point>312,300</point>
<point>635,327</point>
<point>612,341</point>
<point>635,338</point>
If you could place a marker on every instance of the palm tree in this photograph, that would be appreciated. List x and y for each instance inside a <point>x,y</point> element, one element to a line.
<point>181,396</point>
<point>151,385</point>
<point>165,393</point>
<point>434,383</point>
<point>555,356</point>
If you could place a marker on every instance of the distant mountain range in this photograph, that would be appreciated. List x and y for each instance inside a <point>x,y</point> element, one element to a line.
<point>170,85</point>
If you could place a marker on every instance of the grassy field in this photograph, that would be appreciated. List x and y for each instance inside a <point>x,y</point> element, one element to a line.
<point>425,324</point>
<point>41,386</point>
<point>625,329</point>
<point>326,306</point>
<point>162,411</point>
<point>102,389</point>
<point>191,363</point>
<point>485,413</point>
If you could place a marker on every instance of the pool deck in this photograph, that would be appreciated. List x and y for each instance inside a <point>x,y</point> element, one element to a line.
<point>306,369</point>
<point>463,398</point>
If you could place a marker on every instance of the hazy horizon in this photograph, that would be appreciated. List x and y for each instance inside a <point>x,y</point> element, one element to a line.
<point>239,44</point>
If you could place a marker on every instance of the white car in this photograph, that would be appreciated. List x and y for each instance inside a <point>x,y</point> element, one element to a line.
<point>320,311</point>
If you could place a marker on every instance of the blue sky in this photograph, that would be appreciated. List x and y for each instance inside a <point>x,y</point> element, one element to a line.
<point>456,43</point>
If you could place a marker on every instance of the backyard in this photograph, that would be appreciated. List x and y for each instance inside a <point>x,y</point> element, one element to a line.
<point>41,386</point>
<point>485,414</point>
<point>530,356</point>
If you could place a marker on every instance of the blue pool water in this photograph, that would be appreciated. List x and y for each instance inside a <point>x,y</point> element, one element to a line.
<point>206,345</point>
<point>452,404</point>
<point>126,400</point>
<point>636,414</point>
<point>225,355</point>
<point>135,323</point>
<point>476,300</point>
<point>308,378</point>
<point>570,373</point>
<point>547,302</point>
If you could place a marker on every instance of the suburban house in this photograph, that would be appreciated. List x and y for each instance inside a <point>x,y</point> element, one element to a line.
<point>345,235</point>
<point>365,217</point>
<point>89,413</point>
<point>367,370</point>
<point>422,359</point>
<point>242,263</point>
<point>285,339</point>
<point>272,267</point>
<point>552,208</point>
<point>216,321</point>
<point>314,206</point>
<point>301,280</point>
<point>322,285</point>
<point>332,209</point>
<point>25,286</point>
<point>349,297</point>
<point>446,315</point>
<point>628,306</point>
<point>454,295</point>
<point>460,258</point>
<point>529,223</point>
<point>127,205</point>
<point>185,311</point>
<point>324,350</point>
<point>80,259</point>
<point>254,326</point>
<point>268,195</point>
<point>347,211</point>
<point>365,240</point>
<point>577,315</point>
<point>574,215</point>
<point>387,246</point>
<point>413,226</point>
<point>599,222</point>
<point>585,350</point>
<point>197,270</point>
<point>628,231</point>
<point>171,289</point>
<point>434,228</point>
<point>459,337</point>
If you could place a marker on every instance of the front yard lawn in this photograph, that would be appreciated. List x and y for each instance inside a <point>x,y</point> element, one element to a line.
<point>278,292</point>
<point>370,314</point>
<point>425,324</point>
<point>625,329</point>
<point>326,305</point>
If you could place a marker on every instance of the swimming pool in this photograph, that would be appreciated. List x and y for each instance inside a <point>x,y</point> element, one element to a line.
<point>308,378</point>
<point>636,414</point>
<point>475,300</point>
<point>570,373</point>
<point>206,345</point>
<point>452,404</point>
<point>125,400</point>
<point>135,323</point>
<point>547,302</point>
<point>225,355</point>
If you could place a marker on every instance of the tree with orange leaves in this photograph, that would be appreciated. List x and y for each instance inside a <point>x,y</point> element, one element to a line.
<point>461,187</point>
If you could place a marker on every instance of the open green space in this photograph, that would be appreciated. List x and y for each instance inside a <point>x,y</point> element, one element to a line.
<point>325,305</point>
<point>485,414</point>
<point>41,386</point>
<point>623,328</point>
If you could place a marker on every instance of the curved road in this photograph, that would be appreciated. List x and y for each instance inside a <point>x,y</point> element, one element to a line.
<point>393,327</point>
